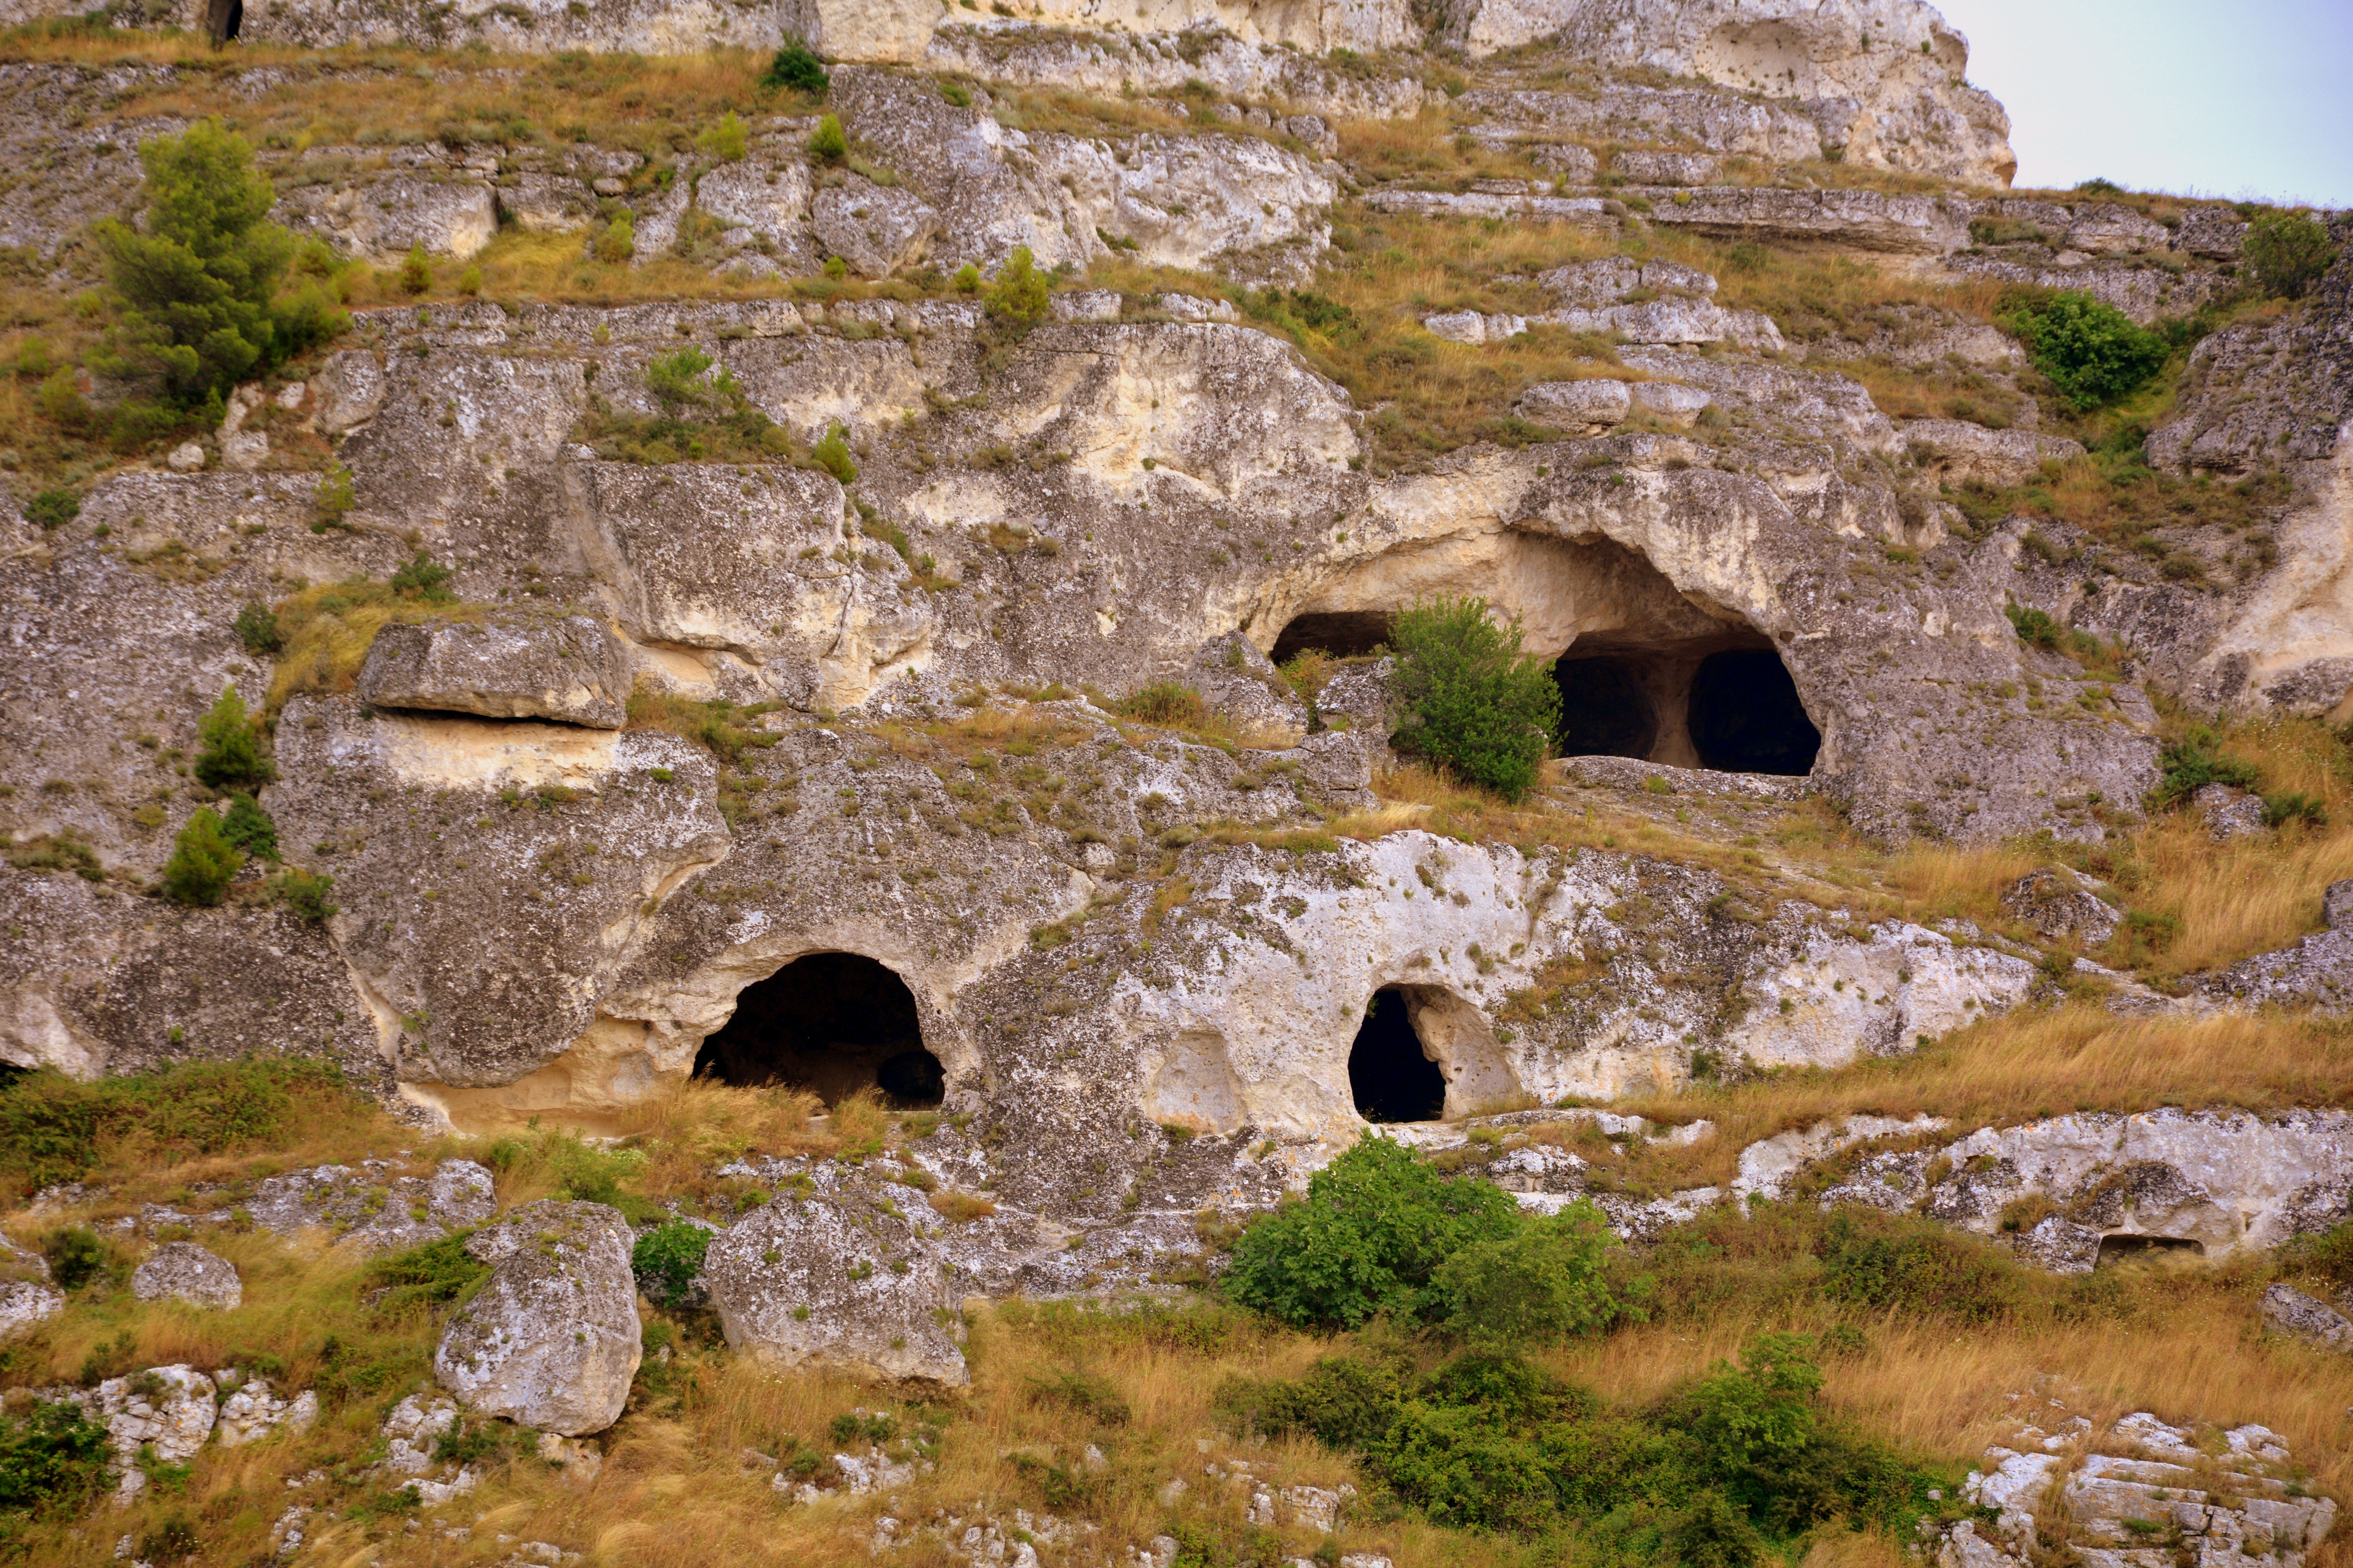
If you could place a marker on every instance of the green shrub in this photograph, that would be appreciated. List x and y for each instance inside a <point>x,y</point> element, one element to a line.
<point>198,285</point>
<point>1462,1468</point>
<point>332,500</point>
<point>2088,350</point>
<point>2329,1253</point>
<point>1761,1411</point>
<point>795,69</point>
<point>725,141</point>
<point>203,862</point>
<point>76,1256</point>
<point>676,380</point>
<point>256,627</point>
<point>1473,704</point>
<point>416,270</point>
<point>1019,296</point>
<point>2189,764</point>
<point>1884,1264</point>
<point>967,278</point>
<point>424,578</point>
<point>2287,253</point>
<point>667,1259</point>
<point>247,827</point>
<point>1342,1403</point>
<point>828,141</point>
<point>619,240</point>
<point>1548,1281</point>
<point>1375,1225</point>
<point>1162,703</point>
<point>303,894</point>
<point>228,754</point>
<point>52,509</point>
<point>52,1128</point>
<point>437,1274</point>
<point>2294,806</point>
<point>1096,1398</point>
<point>2034,626</point>
<point>832,455</point>
<point>53,1459</point>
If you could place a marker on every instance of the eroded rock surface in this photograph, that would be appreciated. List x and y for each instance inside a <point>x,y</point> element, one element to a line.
<point>182,1271</point>
<point>571,669</point>
<point>551,1339</point>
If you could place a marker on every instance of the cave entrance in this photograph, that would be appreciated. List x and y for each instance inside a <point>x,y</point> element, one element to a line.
<point>2147,1251</point>
<point>1726,703</point>
<point>1390,1074</point>
<point>833,1023</point>
<point>1343,634</point>
<point>223,18</point>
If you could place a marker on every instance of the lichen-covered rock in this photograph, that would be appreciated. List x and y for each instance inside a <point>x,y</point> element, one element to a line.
<point>551,1341</point>
<point>1020,53</point>
<point>254,1411</point>
<point>832,1271</point>
<point>2230,812</point>
<point>1962,451</point>
<point>1576,405</point>
<point>570,668</point>
<point>877,229</point>
<point>168,1409</point>
<point>182,1271</point>
<point>26,1295</point>
<point>2291,1312</point>
<point>381,217</point>
<point>2059,901</point>
<point>372,1207</point>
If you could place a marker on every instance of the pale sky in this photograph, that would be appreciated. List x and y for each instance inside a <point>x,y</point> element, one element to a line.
<point>2250,100</point>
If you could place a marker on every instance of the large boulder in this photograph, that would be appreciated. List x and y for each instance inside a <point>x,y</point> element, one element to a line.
<point>570,668</point>
<point>2291,1312</point>
<point>835,1273</point>
<point>26,1297</point>
<point>551,1340</point>
<point>182,1271</point>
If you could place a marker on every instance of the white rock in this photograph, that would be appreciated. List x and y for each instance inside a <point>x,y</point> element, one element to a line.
<point>168,1408</point>
<point>1575,404</point>
<point>1668,403</point>
<point>182,1271</point>
<point>877,229</point>
<point>552,1340</point>
<point>186,457</point>
<point>414,1428</point>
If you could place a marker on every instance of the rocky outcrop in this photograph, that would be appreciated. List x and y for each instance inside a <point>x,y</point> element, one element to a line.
<point>26,1295</point>
<point>570,669</point>
<point>551,1341</point>
<point>1111,64</point>
<point>182,1271</point>
<point>407,199</point>
<point>371,1207</point>
<point>832,1271</point>
<point>2293,1312</point>
<point>254,1411</point>
<point>2059,901</point>
<point>168,1411</point>
<point>1961,452</point>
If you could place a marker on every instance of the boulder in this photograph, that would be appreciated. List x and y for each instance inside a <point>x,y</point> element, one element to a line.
<point>571,669</point>
<point>2230,812</point>
<point>254,1411</point>
<point>2059,901</point>
<point>1957,449</point>
<point>2291,1312</point>
<point>26,1297</point>
<point>833,1272</point>
<point>552,1340</point>
<point>2336,905</point>
<point>184,1272</point>
<point>170,1409</point>
<point>380,219</point>
<point>877,229</point>
<point>345,1201</point>
<point>1679,406</point>
<point>1576,405</point>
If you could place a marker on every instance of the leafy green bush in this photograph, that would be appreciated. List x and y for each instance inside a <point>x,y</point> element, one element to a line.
<point>2189,764</point>
<point>247,827</point>
<point>53,1459</point>
<point>303,894</point>
<point>53,509</point>
<point>203,862</point>
<point>256,627</point>
<point>437,1274</point>
<point>229,754</point>
<point>332,500</point>
<point>1473,702</point>
<point>424,578</point>
<point>667,1259</point>
<point>726,140</point>
<point>2089,350</point>
<point>198,285</point>
<point>416,270</point>
<point>2287,253</point>
<point>1548,1280</point>
<point>1019,296</point>
<point>52,1128</point>
<point>76,1256</point>
<point>619,240</point>
<point>676,379</point>
<point>2034,626</point>
<point>828,141</point>
<point>1375,1225</point>
<point>832,455</point>
<point>1162,703</point>
<point>795,69</point>
<point>1882,1263</point>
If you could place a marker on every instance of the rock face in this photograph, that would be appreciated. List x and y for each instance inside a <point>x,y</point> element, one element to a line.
<point>2223,1494</point>
<point>26,1297</point>
<point>2291,1312</point>
<point>370,1208</point>
<point>836,1274</point>
<point>570,669</point>
<point>170,1409</point>
<point>2059,901</point>
<point>551,1341</point>
<point>255,1412</point>
<point>182,1271</point>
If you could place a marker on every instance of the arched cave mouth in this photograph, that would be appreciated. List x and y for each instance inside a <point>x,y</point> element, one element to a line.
<point>1343,634</point>
<point>223,18</point>
<point>1389,1077</point>
<point>2147,1251</point>
<point>833,1023</point>
<point>1734,709</point>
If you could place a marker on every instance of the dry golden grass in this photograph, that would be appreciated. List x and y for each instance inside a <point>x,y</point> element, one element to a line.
<point>329,629</point>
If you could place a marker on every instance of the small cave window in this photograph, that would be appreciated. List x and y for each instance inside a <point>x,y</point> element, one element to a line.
<point>1343,634</point>
<point>223,18</point>
<point>1746,717</point>
<point>1391,1078</point>
<point>2156,1250</point>
<point>1604,709</point>
<point>833,1023</point>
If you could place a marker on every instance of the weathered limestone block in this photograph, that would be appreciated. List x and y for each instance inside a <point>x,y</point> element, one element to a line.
<point>379,219</point>
<point>1963,451</point>
<point>1720,123</point>
<point>767,196</point>
<point>837,1275</point>
<point>2291,1312</point>
<point>26,1295</point>
<point>254,1411</point>
<point>1576,405</point>
<point>369,1207</point>
<point>552,1340</point>
<point>571,669</point>
<point>1859,220</point>
<point>2230,812</point>
<point>1678,408</point>
<point>182,1271</point>
<point>2059,901</point>
<point>169,1409</point>
<point>1021,54</point>
<point>877,229</point>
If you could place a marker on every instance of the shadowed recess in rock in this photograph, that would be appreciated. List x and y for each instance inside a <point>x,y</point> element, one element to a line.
<point>1343,634</point>
<point>1746,717</point>
<point>2148,1250</point>
<point>1604,711</point>
<point>831,1023</point>
<point>1388,1074</point>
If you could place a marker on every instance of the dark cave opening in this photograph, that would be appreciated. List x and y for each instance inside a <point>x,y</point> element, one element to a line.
<point>1604,709</point>
<point>223,18</point>
<point>2146,1250</point>
<point>1387,1074</point>
<point>831,1023</point>
<point>1746,717</point>
<point>1343,634</point>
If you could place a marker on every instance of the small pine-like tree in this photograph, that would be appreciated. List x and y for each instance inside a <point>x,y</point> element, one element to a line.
<point>1018,295</point>
<point>726,140</point>
<point>230,757</point>
<point>248,826</point>
<point>1473,704</point>
<point>829,142</point>
<point>795,69</point>
<point>203,862</point>
<point>2287,253</point>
